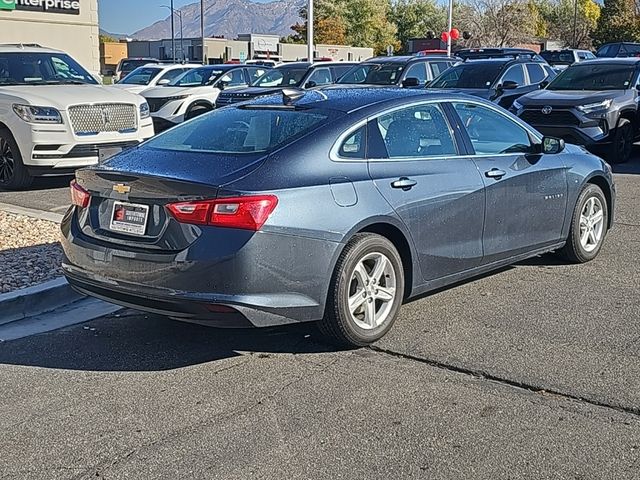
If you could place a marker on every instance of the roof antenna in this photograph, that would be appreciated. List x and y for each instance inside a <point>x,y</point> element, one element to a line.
<point>291,95</point>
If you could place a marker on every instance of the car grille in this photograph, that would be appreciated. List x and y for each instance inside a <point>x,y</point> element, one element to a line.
<point>155,104</point>
<point>103,117</point>
<point>555,117</point>
<point>231,98</point>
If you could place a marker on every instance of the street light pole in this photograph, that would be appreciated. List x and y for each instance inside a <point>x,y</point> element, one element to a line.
<point>202,29</point>
<point>450,27</point>
<point>173,36</point>
<point>310,30</point>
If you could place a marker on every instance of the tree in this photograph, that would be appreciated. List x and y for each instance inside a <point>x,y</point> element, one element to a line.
<point>414,18</point>
<point>107,39</point>
<point>328,23</point>
<point>497,23</point>
<point>368,24</point>
<point>618,22</point>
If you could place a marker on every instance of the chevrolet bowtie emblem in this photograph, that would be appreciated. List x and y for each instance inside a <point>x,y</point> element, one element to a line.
<point>121,188</point>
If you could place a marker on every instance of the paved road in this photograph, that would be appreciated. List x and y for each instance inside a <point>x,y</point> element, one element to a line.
<point>49,194</point>
<point>532,372</point>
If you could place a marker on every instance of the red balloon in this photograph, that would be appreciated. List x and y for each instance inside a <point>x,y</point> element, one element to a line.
<point>454,33</point>
<point>445,36</point>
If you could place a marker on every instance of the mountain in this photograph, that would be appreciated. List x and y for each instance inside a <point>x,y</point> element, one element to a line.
<point>228,18</point>
<point>117,36</point>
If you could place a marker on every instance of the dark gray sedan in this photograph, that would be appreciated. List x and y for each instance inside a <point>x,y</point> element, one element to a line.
<point>331,206</point>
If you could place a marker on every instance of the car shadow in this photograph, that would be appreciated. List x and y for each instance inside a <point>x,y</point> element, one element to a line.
<point>133,341</point>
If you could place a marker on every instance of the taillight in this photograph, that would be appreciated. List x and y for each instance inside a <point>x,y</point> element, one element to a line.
<point>248,213</point>
<point>79,196</point>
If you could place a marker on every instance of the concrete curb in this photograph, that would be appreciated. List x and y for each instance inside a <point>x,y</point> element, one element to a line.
<point>30,212</point>
<point>36,300</point>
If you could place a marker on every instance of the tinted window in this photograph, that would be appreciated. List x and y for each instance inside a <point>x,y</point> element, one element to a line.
<point>418,71</point>
<point>418,131</point>
<point>559,58</point>
<point>130,65</point>
<point>491,132</point>
<point>354,145</point>
<point>437,68</point>
<point>469,75</point>
<point>41,68</point>
<point>141,76</point>
<point>514,74</point>
<point>536,73</point>
<point>255,73</point>
<point>607,50</point>
<point>234,78</point>
<point>199,77</point>
<point>340,70</point>
<point>238,130</point>
<point>173,74</point>
<point>320,76</point>
<point>373,74</point>
<point>595,76</point>
<point>282,77</point>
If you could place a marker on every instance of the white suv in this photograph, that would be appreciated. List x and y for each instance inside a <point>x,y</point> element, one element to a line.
<point>55,117</point>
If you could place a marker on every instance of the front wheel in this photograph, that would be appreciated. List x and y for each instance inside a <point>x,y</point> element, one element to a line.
<point>196,110</point>
<point>366,292</point>
<point>620,149</point>
<point>588,226</point>
<point>13,173</point>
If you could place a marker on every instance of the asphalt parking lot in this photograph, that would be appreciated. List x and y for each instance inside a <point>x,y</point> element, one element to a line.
<point>531,372</point>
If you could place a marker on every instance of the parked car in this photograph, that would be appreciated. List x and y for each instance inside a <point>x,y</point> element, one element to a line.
<point>55,117</point>
<point>500,80</point>
<point>328,206</point>
<point>195,92</point>
<point>289,75</point>
<point>401,71</point>
<point>619,49</point>
<point>486,53</point>
<point>592,103</point>
<point>153,75</point>
<point>561,59</point>
<point>128,65</point>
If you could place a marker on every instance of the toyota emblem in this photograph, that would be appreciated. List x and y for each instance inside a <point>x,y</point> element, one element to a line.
<point>547,110</point>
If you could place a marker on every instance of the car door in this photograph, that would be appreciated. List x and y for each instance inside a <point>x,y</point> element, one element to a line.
<point>417,165</point>
<point>526,192</point>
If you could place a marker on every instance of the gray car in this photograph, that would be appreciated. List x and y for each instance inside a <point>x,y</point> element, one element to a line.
<point>592,103</point>
<point>331,206</point>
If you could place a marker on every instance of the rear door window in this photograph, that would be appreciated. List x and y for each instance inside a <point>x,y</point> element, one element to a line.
<point>417,70</point>
<point>438,67</point>
<point>514,74</point>
<point>320,76</point>
<point>354,146</point>
<point>536,73</point>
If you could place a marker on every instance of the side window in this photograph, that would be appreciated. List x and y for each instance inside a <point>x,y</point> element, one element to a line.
<point>418,71</point>
<point>339,71</point>
<point>536,73</point>
<point>438,67</point>
<point>514,74</point>
<point>321,76</point>
<point>354,145</point>
<point>590,56</point>
<point>582,55</point>
<point>418,131</point>
<point>255,73</point>
<point>491,132</point>
<point>234,78</point>
<point>171,74</point>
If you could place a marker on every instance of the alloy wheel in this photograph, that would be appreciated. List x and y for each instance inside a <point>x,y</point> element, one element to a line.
<point>591,224</point>
<point>372,291</point>
<point>7,161</point>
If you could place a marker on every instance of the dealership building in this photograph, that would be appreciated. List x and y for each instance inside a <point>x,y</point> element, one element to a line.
<point>68,25</point>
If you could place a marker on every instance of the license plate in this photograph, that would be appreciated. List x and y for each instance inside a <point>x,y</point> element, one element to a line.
<point>129,218</point>
<point>105,153</point>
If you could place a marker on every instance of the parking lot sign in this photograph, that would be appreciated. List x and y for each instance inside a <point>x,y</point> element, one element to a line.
<point>243,57</point>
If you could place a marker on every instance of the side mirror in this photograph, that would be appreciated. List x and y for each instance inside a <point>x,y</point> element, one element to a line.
<point>543,84</point>
<point>552,145</point>
<point>410,82</point>
<point>164,81</point>
<point>221,85</point>
<point>310,84</point>
<point>509,85</point>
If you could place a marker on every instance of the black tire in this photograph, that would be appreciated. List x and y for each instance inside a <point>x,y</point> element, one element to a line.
<point>620,149</point>
<point>574,251</point>
<point>338,324</point>
<point>196,110</point>
<point>13,173</point>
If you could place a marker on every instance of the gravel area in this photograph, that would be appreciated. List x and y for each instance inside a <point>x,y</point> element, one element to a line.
<point>29,251</point>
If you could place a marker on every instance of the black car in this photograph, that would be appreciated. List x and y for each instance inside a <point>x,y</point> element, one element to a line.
<point>401,71</point>
<point>592,103</point>
<point>500,80</point>
<point>301,75</point>
<point>486,53</point>
<point>619,50</point>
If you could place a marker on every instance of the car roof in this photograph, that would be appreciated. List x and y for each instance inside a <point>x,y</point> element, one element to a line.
<point>26,48</point>
<point>405,59</point>
<point>612,61</point>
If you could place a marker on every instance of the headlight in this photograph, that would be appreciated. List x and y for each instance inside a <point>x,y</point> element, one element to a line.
<point>177,97</point>
<point>594,107</point>
<point>31,114</point>
<point>516,105</point>
<point>144,111</point>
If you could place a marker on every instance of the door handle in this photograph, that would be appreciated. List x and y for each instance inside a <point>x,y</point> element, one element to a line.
<point>495,173</point>
<point>404,183</point>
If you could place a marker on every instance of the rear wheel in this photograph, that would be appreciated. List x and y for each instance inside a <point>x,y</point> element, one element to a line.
<point>196,110</point>
<point>366,292</point>
<point>620,149</point>
<point>588,226</point>
<point>13,173</point>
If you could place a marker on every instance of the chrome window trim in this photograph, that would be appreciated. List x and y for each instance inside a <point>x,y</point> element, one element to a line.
<point>335,157</point>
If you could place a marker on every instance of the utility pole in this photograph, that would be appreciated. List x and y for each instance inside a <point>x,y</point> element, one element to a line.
<point>450,27</point>
<point>204,60</point>
<point>575,24</point>
<point>310,48</point>
<point>173,36</point>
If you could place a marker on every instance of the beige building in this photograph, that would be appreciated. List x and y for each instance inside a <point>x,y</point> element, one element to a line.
<point>68,25</point>
<point>110,55</point>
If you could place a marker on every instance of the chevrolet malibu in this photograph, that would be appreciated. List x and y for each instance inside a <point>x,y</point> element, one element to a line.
<point>331,206</point>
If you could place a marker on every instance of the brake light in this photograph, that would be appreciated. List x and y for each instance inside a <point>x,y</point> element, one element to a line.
<point>79,196</point>
<point>247,213</point>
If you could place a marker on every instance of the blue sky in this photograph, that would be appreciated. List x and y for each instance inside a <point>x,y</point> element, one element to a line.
<point>128,16</point>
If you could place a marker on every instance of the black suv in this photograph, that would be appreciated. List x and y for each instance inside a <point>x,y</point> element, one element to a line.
<point>619,50</point>
<point>592,103</point>
<point>401,71</point>
<point>301,75</point>
<point>500,80</point>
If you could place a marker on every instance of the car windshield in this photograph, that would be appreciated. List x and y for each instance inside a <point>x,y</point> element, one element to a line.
<point>602,76</point>
<point>141,76</point>
<point>558,58</point>
<point>41,69</point>
<point>281,77</point>
<point>469,75</point>
<point>199,77</point>
<point>373,74</point>
<point>239,130</point>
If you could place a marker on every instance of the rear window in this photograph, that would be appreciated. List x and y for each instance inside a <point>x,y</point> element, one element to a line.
<point>564,57</point>
<point>141,76</point>
<point>239,130</point>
